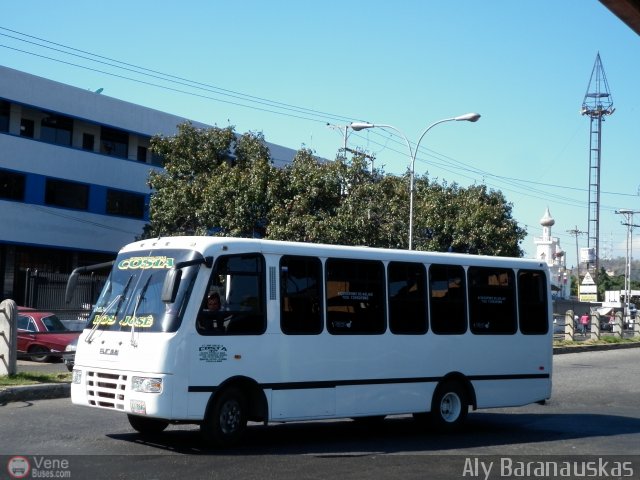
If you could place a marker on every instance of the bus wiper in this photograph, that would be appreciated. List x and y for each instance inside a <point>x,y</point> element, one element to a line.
<point>119,299</point>
<point>135,310</point>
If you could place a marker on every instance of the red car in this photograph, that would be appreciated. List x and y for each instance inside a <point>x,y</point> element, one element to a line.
<point>42,335</point>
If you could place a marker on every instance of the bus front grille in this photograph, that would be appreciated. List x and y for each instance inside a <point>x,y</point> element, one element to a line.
<point>106,390</point>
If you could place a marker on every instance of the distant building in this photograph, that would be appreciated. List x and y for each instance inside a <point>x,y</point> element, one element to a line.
<point>548,250</point>
<point>73,175</point>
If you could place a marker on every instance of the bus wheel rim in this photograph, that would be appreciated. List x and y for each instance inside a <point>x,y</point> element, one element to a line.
<point>450,407</point>
<point>230,417</point>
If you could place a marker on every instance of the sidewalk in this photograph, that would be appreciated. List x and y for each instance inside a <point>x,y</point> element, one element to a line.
<point>27,393</point>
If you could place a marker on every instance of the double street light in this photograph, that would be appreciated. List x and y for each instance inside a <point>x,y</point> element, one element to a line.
<point>357,126</point>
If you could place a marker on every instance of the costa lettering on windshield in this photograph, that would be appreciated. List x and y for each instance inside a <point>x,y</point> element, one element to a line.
<point>144,263</point>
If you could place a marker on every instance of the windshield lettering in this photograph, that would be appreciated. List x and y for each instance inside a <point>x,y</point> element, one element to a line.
<point>138,322</point>
<point>143,263</point>
<point>104,320</point>
<point>132,297</point>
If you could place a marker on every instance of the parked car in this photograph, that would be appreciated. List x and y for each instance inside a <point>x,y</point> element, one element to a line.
<point>69,356</point>
<point>42,336</point>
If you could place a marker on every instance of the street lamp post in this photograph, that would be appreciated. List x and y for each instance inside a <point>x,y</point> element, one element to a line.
<point>357,126</point>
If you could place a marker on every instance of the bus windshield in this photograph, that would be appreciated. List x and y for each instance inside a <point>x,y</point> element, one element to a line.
<point>132,295</point>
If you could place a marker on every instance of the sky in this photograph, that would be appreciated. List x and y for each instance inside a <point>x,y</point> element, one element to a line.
<point>299,72</point>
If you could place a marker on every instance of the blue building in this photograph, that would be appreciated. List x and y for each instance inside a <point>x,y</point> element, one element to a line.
<point>73,175</point>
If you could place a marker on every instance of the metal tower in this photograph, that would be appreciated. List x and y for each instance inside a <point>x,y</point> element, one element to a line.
<point>597,103</point>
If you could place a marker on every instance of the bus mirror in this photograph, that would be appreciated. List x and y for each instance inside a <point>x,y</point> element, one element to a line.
<point>171,284</point>
<point>72,282</point>
<point>71,286</point>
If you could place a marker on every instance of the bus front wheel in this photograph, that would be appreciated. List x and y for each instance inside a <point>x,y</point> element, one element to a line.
<point>226,418</point>
<point>449,406</point>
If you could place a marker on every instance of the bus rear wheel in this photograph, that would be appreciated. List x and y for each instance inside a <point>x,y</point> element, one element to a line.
<point>146,425</point>
<point>226,419</point>
<point>449,406</point>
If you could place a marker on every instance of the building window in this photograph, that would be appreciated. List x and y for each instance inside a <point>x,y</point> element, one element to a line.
<point>56,129</point>
<point>407,298</point>
<point>448,299</point>
<point>60,193</point>
<point>4,115</point>
<point>88,141</point>
<point>300,295</point>
<point>492,300</point>
<point>355,297</point>
<point>26,128</point>
<point>12,185</point>
<point>126,204</point>
<point>142,154</point>
<point>114,142</point>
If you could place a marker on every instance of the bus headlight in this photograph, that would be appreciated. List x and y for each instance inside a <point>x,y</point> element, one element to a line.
<point>146,384</point>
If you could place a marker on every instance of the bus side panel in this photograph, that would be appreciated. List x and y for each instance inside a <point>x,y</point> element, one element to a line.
<point>307,403</point>
<point>510,393</point>
<point>385,399</point>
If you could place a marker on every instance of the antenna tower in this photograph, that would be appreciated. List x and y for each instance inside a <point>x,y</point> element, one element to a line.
<point>597,104</point>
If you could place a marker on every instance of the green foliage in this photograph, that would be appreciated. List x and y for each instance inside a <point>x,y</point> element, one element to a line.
<point>204,188</point>
<point>574,286</point>
<point>29,378</point>
<point>606,282</point>
<point>216,182</point>
<point>469,220</point>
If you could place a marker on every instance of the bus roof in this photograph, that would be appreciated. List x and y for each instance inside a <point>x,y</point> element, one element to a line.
<point>215,245</point>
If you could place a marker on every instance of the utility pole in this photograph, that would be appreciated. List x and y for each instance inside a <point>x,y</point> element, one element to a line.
<point>345,149</point>
<point>628,216</point>
<point>575,232</point>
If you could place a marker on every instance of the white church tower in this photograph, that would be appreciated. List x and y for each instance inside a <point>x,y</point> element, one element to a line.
<point>548,250</point>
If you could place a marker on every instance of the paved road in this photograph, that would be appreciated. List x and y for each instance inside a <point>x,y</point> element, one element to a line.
<point>594,411</point>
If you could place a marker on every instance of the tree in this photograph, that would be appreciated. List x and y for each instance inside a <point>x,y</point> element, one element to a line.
<point>214,182</point>
<point>339,202</point>
<point>218,183</point>
<point>469,220</point>
<point>304,196</point>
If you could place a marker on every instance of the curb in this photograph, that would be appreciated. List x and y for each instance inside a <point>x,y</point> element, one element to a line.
<point>25,393</point>
<point>46,391</point>
<point>593,348</point>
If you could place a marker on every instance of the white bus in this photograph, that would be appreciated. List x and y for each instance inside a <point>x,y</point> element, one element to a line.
<point>308,331</point>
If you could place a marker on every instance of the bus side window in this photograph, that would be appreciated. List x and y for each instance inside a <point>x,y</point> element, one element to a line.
<point>355,296</point>
<point>532,302</point>
<point>300,295</point>
<point>407,298</point>
<point>447,299</point>
<point>492,300</point>
<point>240,282</point>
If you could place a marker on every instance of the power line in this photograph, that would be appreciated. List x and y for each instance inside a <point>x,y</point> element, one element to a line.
<point>129,67</point>
<point>519,186</point>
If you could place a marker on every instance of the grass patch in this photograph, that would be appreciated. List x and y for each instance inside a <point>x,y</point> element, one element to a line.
<point>27,378</point>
